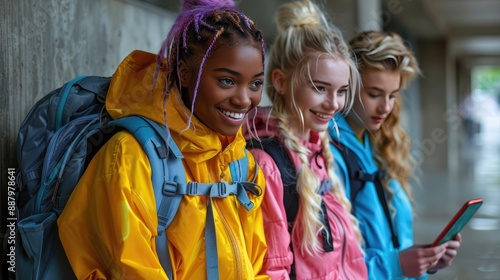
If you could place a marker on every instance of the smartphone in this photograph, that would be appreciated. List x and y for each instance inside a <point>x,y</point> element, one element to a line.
<point>458,221</point>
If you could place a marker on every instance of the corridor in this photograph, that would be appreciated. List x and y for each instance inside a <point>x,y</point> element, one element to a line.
<point>441,195</point>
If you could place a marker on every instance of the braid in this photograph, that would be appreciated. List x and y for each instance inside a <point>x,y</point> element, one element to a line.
<point>309,212</point>
<point>308,221</point>
<point>338,189</point>
<point>200,71</point>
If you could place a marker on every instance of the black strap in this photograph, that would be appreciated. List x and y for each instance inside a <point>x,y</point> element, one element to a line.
<point>278,153</point>
<point>354,172</point>
<point>273,147</point>
<point>383,201</point>
<point>358,180</point>
<point>326,232</point>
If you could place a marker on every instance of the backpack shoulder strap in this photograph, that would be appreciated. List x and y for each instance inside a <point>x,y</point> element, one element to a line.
<point>357,181</point>
<point>162,157</point>
<point>354,171</point>
<point>239,169</point>
<point>383,201</point>
<point>279,154</point>
<point>275,149</point>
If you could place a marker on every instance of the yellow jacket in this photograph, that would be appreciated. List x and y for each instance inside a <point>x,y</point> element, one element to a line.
<point>108,227</point>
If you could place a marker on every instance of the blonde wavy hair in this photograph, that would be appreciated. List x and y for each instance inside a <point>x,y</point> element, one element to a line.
<point>387,51</point>
<point>305,35</point>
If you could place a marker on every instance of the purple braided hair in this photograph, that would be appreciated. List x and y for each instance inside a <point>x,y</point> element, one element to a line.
<point>201,70</point>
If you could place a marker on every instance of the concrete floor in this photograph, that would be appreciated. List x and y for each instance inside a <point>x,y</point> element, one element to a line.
<point>442,194</point>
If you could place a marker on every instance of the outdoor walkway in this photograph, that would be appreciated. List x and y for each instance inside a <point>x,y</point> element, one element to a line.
<point>442,194</point>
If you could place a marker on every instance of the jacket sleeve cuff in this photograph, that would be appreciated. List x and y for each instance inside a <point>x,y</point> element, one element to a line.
<point>393,260</point>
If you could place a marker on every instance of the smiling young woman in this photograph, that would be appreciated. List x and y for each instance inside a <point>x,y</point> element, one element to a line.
<point>309,79</point>
<point>371,135</point>
<point>207,76</point>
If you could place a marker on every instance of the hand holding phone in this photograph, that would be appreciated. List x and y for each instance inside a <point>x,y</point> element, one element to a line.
<point>458,222</point>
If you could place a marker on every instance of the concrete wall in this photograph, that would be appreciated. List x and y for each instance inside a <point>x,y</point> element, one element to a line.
<point>45,43</point>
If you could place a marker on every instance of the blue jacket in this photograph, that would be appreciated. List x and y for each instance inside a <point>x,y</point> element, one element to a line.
<point>382,259</point>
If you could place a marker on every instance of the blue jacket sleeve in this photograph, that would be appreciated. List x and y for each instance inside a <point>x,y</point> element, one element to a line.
<point>383,264</point>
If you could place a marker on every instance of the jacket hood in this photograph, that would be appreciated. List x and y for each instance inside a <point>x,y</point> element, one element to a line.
<point>261,123</point>
<point>346,136</point>
<point>131,89</point>
<point>131,93</point>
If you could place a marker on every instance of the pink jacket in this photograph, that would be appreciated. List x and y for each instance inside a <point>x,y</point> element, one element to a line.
<point>346,261</point>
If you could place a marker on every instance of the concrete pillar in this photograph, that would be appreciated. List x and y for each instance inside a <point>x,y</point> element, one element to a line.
<point>431,148</point>
<point>451,117</point>
<point>352,17</point>
<point>343,13</point>
<point>464,89</point>
<point>369,15</point>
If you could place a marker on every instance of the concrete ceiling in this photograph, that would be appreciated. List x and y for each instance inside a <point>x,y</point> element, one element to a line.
<point>471,27</point>
<point>465,17</point>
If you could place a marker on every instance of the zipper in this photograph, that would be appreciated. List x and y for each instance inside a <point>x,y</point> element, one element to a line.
<point>344,239</point>
<point>234,244</point>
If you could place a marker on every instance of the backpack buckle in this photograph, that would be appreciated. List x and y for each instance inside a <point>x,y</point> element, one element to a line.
<point>219,189</point>
<point>381,175</point>
<point>324,187</point>
<point>365,177</point>
<point>169,188</point>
